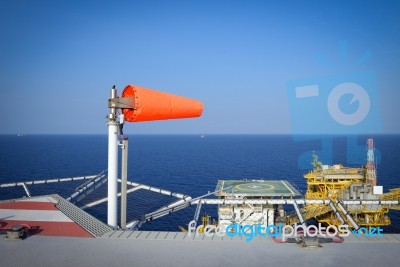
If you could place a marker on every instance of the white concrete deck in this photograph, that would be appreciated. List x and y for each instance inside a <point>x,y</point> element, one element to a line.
<point>175,249</point>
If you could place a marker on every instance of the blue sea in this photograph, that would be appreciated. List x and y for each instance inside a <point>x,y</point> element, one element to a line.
<point>188,164</point>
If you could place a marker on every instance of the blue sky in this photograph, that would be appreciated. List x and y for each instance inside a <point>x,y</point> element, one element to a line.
<point>60,58</point>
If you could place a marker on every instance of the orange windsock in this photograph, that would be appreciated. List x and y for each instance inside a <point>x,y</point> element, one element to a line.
<point>150,105</point>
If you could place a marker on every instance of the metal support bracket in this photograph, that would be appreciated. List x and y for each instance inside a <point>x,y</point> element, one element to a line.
<point>124,102</point>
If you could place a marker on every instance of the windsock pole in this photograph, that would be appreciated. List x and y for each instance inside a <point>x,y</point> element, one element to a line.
<point>112,163</point>
<point>124,178</point>
<point>137,104</point>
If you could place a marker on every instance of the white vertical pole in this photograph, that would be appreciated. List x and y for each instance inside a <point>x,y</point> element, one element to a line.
<point>112,165</point>
<point>124,178</point>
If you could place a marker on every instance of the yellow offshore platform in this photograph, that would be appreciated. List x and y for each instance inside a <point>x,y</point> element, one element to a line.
<point>336,195</point>
<point>338,183</point>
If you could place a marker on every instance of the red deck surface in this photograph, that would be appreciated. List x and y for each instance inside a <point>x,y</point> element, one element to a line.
<point>28,205</point>
<point>46,221</point>
<point>68,229</point>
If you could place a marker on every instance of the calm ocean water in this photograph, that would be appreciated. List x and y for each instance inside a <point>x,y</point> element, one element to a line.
<point>180,163</point>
